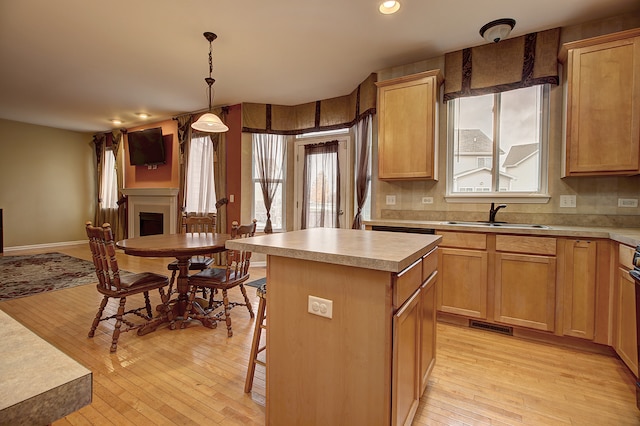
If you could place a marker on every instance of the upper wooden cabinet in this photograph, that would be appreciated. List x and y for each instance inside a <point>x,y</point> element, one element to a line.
<point>408,126</point>
<point>602,123</point>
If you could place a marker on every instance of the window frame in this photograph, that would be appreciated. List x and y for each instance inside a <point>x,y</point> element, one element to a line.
<point>542,196</point>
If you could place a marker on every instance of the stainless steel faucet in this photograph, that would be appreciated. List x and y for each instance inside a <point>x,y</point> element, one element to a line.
<point>494,210</point>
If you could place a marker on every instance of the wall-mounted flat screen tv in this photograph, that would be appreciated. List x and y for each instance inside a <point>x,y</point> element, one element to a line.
<point>146,147</point>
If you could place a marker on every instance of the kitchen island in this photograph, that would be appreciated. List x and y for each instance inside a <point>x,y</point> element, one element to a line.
<point>351,324</point>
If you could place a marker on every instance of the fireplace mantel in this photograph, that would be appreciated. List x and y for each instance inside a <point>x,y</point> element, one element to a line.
<point>151,200</point>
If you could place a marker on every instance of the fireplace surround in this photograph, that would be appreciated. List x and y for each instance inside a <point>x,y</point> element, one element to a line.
<point>152,200</point>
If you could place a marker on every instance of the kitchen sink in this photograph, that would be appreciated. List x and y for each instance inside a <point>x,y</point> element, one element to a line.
<point>497,224</point>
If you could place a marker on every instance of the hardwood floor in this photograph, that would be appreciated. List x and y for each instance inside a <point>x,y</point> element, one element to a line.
<point>196,375</point>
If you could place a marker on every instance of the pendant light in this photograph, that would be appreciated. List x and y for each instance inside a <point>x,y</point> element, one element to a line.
<point>209,122</point>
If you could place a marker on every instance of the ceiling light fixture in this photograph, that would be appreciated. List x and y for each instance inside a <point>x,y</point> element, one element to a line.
<point>209,122</point>
<point>389,7</point>
<point>143,115</point>
<point>497,30</point>
<point>116,121</point>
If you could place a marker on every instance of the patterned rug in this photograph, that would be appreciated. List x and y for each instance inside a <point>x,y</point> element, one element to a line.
<point>26,275</point>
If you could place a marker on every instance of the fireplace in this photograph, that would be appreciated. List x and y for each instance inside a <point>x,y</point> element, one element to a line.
<point>151,223</point>
<point>161,201</point>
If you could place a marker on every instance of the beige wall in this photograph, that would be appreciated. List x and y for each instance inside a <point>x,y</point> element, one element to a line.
<point>596,196</point>
<point>46,184</point>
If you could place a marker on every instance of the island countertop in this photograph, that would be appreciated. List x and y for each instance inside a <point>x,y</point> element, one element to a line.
<point>384,251</point>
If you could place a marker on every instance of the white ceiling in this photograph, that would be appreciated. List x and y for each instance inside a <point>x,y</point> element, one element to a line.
<point>75,64</point>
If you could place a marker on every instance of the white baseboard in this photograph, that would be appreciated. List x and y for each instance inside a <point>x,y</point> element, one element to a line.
<point>45,246</point>
<point>260,264</point>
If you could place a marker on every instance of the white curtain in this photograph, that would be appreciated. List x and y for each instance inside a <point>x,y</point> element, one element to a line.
<point>200,194</point>
<point>321,186</point>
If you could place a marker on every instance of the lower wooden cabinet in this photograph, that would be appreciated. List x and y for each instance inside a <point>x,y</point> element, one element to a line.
<point>525,290</point>
<point>625,338</point>
<point>463,282</point>
<point>406,361</point>
<point>580,273</point>
<point>428,330</point>
<point>414,341</point>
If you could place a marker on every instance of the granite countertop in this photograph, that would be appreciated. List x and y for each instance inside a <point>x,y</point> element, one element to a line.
<point>385,251</point>
<point>38,383</point>
<point>629,236</point>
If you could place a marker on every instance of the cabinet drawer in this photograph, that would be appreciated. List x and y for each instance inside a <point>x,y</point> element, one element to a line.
<point>463,240</point>
<point>429,263</point>
<point>523,244</point>
<point>406,283</point>
<point>625,256</point>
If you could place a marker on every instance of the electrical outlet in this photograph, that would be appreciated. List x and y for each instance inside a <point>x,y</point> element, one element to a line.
<point>427,200</point>
<point>391,200</point>
<point>627,202</point>
<point>321,307</point>
<point>568,201</point>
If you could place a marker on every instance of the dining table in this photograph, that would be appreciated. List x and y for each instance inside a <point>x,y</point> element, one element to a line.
<point>181,246</point>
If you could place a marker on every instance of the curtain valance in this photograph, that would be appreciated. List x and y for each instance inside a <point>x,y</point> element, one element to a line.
<point>497,67</point>
<point>327,114</point>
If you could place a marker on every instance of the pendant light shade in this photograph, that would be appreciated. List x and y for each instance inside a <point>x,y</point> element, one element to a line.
<point>209,122</point>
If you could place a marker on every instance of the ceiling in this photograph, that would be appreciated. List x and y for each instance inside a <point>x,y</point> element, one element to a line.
<point>76,64</point>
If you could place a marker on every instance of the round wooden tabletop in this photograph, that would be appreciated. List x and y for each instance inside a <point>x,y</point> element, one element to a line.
<point>174,245</point>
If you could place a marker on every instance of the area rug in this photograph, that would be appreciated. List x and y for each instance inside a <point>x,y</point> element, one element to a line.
<point>26,275</point>
<point>257,283</point>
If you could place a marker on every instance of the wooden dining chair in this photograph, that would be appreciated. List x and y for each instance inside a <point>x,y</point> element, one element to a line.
<point>111,284</point>
<point>194,223</point>
<point>235,274</point>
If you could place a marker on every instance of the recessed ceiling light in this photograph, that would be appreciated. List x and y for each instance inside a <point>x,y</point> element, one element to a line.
<point>389,7</point>
<point>116,121</point>
<point>143,115</point>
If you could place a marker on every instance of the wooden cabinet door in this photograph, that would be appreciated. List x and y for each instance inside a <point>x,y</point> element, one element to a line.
<point>462,285</point>
<point>525,290</point>
<point>406,360</point>
<point>580,289</point>
<point>407,126</point>
<point>427,329</point>
<point>625,338</point>
<point>603,97</point>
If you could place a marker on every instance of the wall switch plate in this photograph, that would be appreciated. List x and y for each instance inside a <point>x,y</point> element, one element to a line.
<point>627,202</point>
<point>232,198</point>
<point>568,201</point>
<point>391,200</point>
<point>321,307</point>
<point>427,200</point>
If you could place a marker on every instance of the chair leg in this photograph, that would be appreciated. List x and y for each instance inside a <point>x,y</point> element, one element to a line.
<point>255,344</point>
<point>171,281</point>
<point>192,297</point>
<point>96,320</point>
<point>116,330</point>
<point>246,300</point>
<point>227,312</point>
<point>147,305</point>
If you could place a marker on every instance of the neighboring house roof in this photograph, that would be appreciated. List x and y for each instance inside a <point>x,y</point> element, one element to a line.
<point>473,141</point>
<point>481,169</point>
<point>519,153</point>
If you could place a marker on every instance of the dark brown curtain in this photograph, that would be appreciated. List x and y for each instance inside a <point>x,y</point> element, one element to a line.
<point>184,136</point>
<point>363,171</point>
<point>269,157</point>
<point>497,67</point>
<point>110,144</point>
<point>321,186</point>
<point>328,114</point>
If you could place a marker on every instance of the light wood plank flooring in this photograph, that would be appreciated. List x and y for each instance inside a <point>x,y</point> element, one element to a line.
<point>196,375</point>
